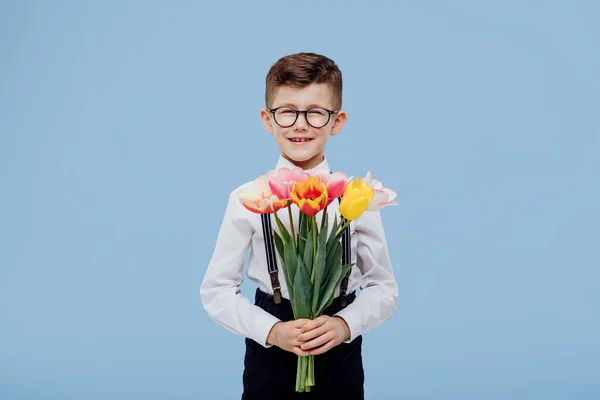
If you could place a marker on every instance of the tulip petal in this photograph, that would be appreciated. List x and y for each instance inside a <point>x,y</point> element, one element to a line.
<point>310,196</point>
<point>258,198</point>
<point>357,209</point>
<point>383,196</point>
<point>282,180</point>
<point>355,200</point>
<point>336,187</point>
<point>380,200</point>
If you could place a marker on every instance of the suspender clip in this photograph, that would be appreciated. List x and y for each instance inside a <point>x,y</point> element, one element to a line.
<point>276,287</point>
<point>277,296</point>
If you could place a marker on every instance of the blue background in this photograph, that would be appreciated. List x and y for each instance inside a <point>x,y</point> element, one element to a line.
<point>124,125</point>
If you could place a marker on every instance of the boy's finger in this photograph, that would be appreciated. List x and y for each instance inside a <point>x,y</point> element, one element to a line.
<point>320,350</point>
<point>314,323</point>
<point>318,341</point>
<point>313,333</point>
<point>299,352</point>
<point>301,322</point>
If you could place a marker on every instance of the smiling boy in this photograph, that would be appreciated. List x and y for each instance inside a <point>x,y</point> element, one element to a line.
<point>303,109</point>
<point>302,143</point>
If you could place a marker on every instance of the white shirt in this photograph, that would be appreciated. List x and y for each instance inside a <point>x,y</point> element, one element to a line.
<point>241,231</point>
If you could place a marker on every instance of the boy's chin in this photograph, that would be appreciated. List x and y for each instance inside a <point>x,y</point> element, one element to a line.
<point>304,159</point>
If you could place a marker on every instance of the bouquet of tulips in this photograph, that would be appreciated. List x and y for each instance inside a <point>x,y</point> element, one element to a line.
<point>312,256</point>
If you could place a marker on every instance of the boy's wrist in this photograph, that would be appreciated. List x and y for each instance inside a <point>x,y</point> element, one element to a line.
<point>272,336</point>
<point>345,326</point>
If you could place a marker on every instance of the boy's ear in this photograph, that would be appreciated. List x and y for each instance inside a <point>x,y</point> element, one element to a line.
<point>265,116</point>
<point>338,124</point>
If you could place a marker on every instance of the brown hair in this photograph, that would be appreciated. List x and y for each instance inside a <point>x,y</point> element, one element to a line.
<point>301,70</point>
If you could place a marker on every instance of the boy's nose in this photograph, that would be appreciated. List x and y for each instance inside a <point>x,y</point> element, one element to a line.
<point>301,122</point>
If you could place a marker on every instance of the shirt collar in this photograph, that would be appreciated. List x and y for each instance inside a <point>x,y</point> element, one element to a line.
<point>284,162</point>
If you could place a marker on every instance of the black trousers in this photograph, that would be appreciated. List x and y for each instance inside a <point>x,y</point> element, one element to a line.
<point>270,373</point>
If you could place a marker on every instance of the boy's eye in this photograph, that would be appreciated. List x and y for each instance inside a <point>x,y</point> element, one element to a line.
<point>317,112</point>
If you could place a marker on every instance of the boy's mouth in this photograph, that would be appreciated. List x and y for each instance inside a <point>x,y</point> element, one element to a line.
<point>300,140</point>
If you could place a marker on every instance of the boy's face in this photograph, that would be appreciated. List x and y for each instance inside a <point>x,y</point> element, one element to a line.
<point>305,154</point>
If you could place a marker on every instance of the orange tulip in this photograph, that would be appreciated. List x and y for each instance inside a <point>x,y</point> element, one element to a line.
<point>310,196</point>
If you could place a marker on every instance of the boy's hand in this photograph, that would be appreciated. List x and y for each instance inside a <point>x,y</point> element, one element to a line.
<point>324,331</point>
<point>285,336</point>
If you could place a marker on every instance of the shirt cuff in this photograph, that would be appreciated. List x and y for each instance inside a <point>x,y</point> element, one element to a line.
<point>353,319</point>
<point>261,326</point>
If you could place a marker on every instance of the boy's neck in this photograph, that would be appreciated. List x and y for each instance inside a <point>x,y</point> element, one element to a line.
<point>308,164</point>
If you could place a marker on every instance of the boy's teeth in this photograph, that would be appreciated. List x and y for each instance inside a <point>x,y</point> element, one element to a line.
<point>300,140</point>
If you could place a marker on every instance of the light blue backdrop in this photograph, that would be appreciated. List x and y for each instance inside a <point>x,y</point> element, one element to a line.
<point>125,124</point>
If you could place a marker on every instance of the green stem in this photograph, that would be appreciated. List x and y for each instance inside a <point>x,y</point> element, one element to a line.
<point>299,375</point>
<point>289,207</point>
<point>324,216</point>
<point>314,235</point>
<point>303,373</point>
<point>339,233</point>
<point>310,379</point>
<point>345,225</point>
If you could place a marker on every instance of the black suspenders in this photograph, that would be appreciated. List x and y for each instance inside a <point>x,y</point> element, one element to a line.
<point>272,259</point>
<point>346,257</point>
<point>271,256</point>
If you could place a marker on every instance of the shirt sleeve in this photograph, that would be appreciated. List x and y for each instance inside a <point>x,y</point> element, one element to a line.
<point>377,300</point>
<point>220,292</point>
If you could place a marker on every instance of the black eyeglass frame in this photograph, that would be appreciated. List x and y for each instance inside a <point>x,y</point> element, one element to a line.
<point>305,112</point>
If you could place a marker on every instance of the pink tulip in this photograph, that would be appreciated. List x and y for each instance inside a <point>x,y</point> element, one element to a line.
<point>383,197</point>
<point>282,181</point>
<point>258,198</point>
<point>336,183</point>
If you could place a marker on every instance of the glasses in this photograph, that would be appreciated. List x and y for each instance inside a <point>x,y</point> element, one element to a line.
<point>316,117</point>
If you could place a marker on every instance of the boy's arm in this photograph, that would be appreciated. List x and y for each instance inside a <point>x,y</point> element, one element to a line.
<point>220,292</point>
<point>376,302</point>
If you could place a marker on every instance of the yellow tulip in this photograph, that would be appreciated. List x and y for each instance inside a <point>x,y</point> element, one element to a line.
<point>356,199</point>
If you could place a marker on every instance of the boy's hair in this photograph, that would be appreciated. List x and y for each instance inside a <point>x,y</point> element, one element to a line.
<point>302,69</point>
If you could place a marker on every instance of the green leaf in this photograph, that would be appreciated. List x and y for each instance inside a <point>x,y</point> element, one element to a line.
<point>325,221</point>
<point>345,269</point>
<point>279,245</point>
<point>282,229</point>
<point>319,268</point>
<point>301,244</point>
<point>303,292</point>
<point>331,239</point>
<point>333,257</point>
<point>302,232</point>
<point>308,256</point>
<point>290,267</point>
<point>329,289</point>
<point>281,249</point>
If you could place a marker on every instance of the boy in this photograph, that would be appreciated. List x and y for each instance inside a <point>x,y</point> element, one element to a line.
<point>303,108</point>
